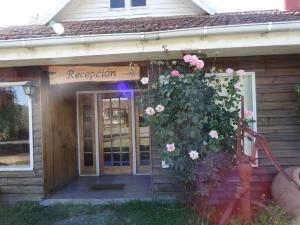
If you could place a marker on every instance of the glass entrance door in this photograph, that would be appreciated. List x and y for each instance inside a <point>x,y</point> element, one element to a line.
<point>115,133</point>
<point>113,137</point>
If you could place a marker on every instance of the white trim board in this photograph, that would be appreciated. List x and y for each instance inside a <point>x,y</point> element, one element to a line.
<point>97,133</point>
<point>51,13</point>
<point>206,6</point>
<point>133,134</point>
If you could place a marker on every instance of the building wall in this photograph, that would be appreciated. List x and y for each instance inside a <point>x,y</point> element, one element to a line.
<point>276,77</point>
<point>25,185</point>
<point>80,10</point>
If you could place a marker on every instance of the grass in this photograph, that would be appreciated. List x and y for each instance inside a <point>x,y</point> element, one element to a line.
<point>132,213</point>
<point>147,213</point>
<point>34,214</point>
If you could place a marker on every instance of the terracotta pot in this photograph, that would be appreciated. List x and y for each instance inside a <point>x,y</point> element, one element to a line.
<point>285,193</point>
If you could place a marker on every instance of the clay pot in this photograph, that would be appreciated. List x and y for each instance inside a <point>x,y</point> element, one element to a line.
<point>286,193</point>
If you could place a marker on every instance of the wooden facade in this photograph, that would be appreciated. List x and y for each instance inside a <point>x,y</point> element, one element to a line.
<point>55,136</point>
<point>59,135</point>
<point>100,9</point>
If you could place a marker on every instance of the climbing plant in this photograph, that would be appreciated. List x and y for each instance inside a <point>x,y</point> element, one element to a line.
<point>192,113</point>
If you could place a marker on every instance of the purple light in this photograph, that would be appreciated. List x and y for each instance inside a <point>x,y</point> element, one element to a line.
<point>124,89</point>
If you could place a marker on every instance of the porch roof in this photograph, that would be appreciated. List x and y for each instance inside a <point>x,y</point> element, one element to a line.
<point>150,24</point>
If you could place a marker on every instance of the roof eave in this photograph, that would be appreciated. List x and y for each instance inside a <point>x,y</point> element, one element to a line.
<point>155,35</point>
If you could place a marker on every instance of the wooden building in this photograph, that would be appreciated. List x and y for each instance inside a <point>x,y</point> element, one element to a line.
<point>69,88</point>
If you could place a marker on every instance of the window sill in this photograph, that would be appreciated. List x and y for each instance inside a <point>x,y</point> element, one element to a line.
<point>139,7</point>
<point>117,9</point>
<point>129,8</point>
<point>15,168</point>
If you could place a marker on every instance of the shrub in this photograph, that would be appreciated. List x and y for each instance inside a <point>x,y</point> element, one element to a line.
<point>210,171</point>
<point>193,114</point>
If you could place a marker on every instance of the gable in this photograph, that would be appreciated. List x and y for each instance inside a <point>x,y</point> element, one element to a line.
<point>82,10</point>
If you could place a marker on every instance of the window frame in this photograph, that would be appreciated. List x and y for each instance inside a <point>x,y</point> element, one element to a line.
<point>254,105</point>
<point>141,169</point>
<point>30,167</point>
<point>119,8</point>
<point>142,6</point>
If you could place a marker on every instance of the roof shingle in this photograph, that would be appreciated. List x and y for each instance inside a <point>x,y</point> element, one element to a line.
<point>148,24</point>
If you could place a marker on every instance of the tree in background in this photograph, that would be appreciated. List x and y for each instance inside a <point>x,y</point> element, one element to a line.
<point>13,117</point>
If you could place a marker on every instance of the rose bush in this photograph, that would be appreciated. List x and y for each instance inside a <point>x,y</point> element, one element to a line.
<point>192,113</point>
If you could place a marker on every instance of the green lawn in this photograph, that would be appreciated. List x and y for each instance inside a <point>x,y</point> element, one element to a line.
<point>132,213</point>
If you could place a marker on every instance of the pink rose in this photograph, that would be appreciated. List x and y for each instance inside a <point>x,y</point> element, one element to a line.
<point>170,147</point>
<point>194,155</point>
<point>187,58</point>
<point>200,64</point>
<point>160,108</point>
<point>248,114</point>
<point>237,86</point>
<point>240,72</point>
<point>175,73</point>
<point>150,111</point>
<point>214,134</point>
<point>194,60</point>
<point>229,71</point>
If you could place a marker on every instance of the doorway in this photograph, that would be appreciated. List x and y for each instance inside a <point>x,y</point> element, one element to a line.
<point>115,133</point>
<point>112,136</point>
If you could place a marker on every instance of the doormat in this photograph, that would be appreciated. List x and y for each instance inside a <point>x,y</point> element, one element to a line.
<point>107,187</point>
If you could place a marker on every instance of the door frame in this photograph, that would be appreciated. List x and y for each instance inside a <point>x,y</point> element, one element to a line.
<point>97,141</point>
<point>110,170</point>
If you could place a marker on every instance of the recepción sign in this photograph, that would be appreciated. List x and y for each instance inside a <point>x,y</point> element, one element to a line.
<point>81,74</point>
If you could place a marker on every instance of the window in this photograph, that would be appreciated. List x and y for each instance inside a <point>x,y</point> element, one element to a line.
<point>15,128</point>
<point>249,93</point>
<point>143,138</point>
<point>114,4</point>
<point>136,3</point>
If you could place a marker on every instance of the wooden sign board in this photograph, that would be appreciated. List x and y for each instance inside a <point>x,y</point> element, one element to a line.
<point>82,74</point>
